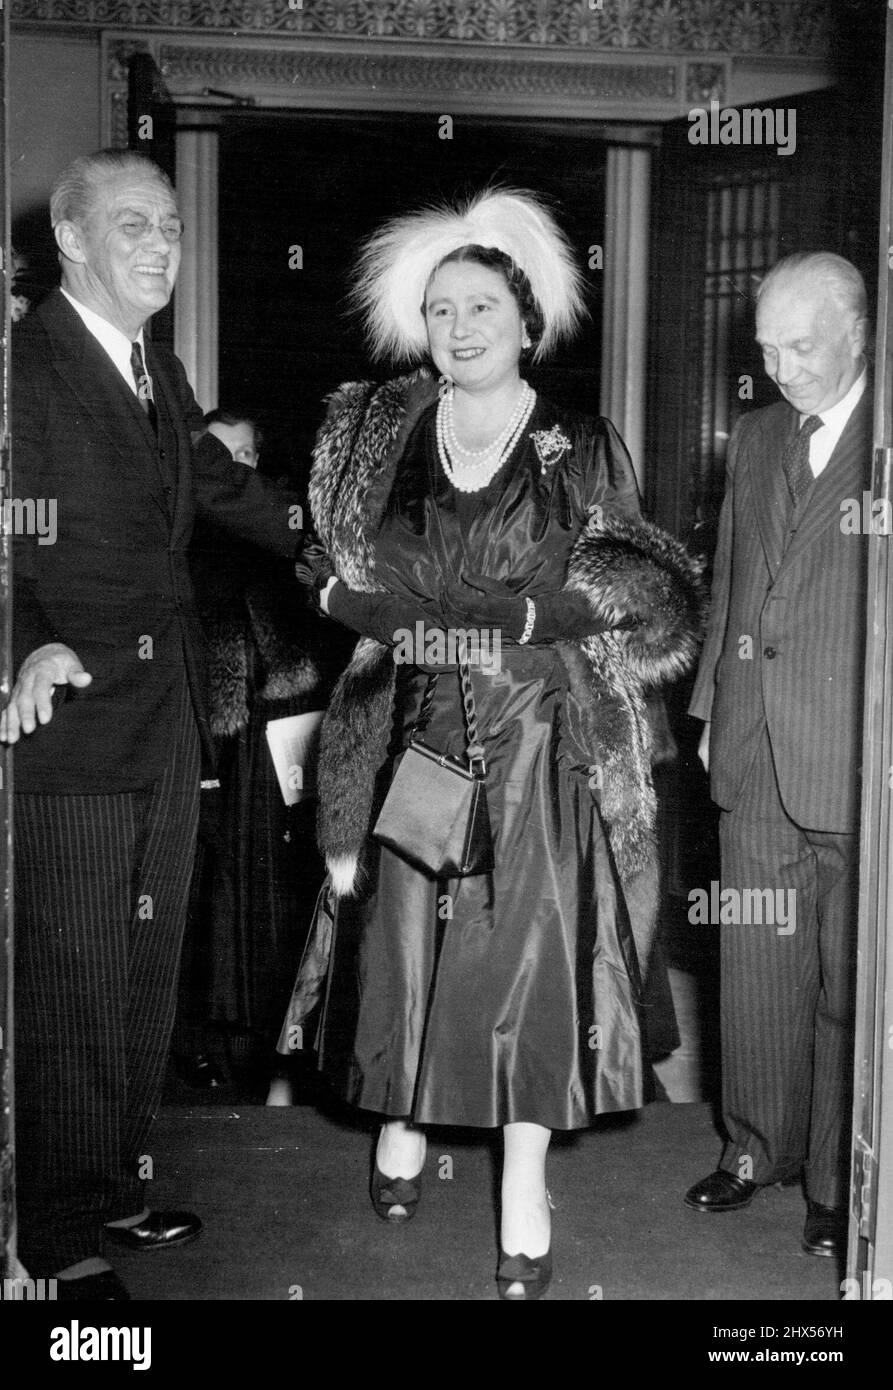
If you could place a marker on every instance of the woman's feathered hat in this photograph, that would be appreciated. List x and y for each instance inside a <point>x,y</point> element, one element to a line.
<point>397,261</point>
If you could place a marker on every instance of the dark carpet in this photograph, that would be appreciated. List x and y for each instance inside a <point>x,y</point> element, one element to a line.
<point>283,1194</point>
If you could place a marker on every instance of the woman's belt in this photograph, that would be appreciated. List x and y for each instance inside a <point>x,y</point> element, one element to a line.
<point>488,661</point>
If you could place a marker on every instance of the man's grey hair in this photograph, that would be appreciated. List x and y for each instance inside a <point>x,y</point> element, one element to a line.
<point>838,276</point>
<point>74,193</point>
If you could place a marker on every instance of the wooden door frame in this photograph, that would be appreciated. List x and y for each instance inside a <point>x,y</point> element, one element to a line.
<point>8,1260</point>
<point>870,1248</point>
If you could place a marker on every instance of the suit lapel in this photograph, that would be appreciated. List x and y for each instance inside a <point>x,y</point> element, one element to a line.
<point>101,393</point>
<point>847,472</point>
<point>771,498</point>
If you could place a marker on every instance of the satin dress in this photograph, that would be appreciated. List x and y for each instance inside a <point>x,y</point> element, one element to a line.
<point>513,997</point>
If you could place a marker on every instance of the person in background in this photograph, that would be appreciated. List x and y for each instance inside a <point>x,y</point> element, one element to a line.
<point>779,688</point>
<point>197,1047</point>
<point>258,870</point>
<point>238,433</point>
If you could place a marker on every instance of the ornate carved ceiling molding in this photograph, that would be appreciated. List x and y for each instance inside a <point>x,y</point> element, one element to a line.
<point>443,78</point>
<point>635,60</point>
<point>415,78</point>
<point>752,28</point>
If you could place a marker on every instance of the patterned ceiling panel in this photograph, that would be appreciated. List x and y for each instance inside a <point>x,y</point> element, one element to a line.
<point>795,28</point>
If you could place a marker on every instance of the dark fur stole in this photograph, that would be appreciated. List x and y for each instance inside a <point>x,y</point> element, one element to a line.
<point>259,633</point>
<point>620,565</point>
<point>357,452</point>
<point>355,458</point>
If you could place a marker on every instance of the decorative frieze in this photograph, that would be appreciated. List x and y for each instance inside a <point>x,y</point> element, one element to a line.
<point>765,28</point>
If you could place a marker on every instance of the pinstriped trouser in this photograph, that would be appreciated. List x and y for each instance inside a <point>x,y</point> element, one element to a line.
<point>101,885</point>
<point>787,1001</point>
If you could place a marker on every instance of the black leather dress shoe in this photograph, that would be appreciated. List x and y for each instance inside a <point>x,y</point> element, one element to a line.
<point>825,1231</point>
<point>157,1231</point>
<point>92,1288</point>
<point>721,1191</point>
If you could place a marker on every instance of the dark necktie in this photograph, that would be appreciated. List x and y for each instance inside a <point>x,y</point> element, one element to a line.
<point>795,459</point>
<point>143,384</point>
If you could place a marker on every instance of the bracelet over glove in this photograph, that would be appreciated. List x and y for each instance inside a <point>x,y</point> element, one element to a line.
<point>479,601</point>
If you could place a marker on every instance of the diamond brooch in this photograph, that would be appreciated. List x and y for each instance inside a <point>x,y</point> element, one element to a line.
<point>551,445</point>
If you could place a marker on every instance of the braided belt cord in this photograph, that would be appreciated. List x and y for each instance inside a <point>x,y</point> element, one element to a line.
<point>474,747</point>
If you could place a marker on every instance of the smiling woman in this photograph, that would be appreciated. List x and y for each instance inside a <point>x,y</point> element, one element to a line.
<point>473,314</point>
<point>508,998</point>
<point>284,334</point>
<point>476,334</point>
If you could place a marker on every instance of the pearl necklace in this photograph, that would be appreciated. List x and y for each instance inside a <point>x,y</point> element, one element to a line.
<point>489,459</point>
<point>496,445</point>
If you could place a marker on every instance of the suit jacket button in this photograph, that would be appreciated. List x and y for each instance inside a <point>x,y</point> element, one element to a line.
<point>769,653</point>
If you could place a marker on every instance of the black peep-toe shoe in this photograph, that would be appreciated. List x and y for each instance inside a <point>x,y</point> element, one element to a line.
<point>388,1193</point>
<point>534,1275</point>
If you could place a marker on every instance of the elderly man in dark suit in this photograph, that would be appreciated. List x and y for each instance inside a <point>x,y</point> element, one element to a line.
<point>780,688</point>
<point>107,434</point>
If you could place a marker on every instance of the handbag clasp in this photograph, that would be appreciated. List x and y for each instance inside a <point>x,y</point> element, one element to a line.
<point>475,755</point>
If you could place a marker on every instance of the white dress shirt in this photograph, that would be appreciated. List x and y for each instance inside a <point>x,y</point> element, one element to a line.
<point>824,441</point>
<point>111,339</point>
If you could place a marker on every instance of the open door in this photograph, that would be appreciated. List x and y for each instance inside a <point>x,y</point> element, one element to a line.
<point>870,1253</point>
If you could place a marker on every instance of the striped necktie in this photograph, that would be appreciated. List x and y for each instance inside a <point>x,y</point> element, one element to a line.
<point>795,459</point>
<point>143,383</point>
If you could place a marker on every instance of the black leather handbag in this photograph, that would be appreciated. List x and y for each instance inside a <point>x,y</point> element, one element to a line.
<point>435,813</point>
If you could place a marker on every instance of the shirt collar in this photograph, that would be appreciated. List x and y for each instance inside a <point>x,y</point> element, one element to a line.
<point>836,416</point>
<point>116,343</point>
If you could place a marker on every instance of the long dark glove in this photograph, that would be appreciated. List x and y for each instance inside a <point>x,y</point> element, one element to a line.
<point>381,616</point>
<point>561,615</point>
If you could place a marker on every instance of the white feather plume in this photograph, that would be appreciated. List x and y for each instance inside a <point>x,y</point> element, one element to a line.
<point>397,261</point>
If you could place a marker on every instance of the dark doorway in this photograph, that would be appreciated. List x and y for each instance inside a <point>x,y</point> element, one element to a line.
<point>322,183</point>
